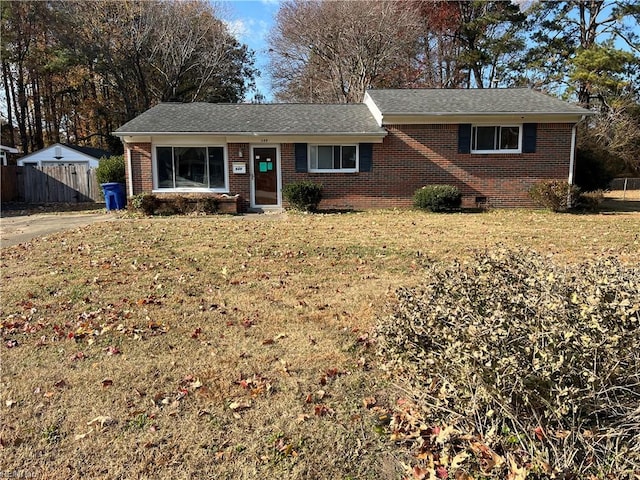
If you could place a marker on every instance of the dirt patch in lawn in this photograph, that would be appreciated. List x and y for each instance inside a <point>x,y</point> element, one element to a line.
<point>23,228</point>
<point>209,347</point>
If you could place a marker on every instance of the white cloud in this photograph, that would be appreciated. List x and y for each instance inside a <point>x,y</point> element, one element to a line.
<point>524,5</point>
<point>237,28</point>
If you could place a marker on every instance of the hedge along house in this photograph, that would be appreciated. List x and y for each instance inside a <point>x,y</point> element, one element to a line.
<point>492,144</point>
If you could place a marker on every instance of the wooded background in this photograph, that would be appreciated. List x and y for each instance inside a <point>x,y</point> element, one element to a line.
<point>73,71</point>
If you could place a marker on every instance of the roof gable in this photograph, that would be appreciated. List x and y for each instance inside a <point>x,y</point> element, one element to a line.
<point>97,153</point>
<point>67,153</point>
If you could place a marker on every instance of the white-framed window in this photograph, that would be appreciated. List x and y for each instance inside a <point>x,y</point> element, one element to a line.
<point>190,168</point>
<point>496,139</point>
<point>333,158</point>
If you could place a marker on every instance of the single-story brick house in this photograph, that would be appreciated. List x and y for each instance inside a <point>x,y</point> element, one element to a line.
<point>493,144</point>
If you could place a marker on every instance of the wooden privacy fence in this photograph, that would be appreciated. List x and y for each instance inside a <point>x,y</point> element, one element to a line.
<point>58,184</point>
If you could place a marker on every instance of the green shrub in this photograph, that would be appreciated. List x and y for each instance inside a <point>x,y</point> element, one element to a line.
<point>304,195</point>
<point>111,169</point>
<point>537,362</point>
<point>144,202</point>
<point>556,195</point>
<point>437,198</point>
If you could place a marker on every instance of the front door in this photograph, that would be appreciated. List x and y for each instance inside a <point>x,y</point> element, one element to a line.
<point>265,176</point>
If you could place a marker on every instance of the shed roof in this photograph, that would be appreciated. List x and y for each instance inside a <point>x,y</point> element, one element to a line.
<point>49,152</point>
<point>249,119</point>
<point>91,151</point>
<point>469,101</point>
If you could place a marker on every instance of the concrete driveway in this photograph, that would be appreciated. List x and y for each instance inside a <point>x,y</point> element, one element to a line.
<point>20,229</point>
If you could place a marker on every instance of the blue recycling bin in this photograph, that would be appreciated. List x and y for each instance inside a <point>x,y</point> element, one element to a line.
<point>114,196</point>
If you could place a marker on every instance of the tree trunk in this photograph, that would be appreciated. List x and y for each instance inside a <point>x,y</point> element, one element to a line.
<point>21,110</point>
<point>37,115</point>
<point>8,96</point>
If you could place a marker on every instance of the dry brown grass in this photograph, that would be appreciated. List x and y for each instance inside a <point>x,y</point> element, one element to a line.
<point>241,345</point>
<point>623,195</point>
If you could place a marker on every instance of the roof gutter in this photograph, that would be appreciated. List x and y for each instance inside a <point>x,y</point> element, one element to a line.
<point>258,134</point>
<point>478,114</point>
<point>572,157</point>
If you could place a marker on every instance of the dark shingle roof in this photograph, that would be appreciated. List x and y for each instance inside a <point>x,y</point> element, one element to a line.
<point>92,152</point>
<point>469,101</point>
<point>254,118</point>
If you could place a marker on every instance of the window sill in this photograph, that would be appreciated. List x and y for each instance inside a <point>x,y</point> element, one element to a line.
<point>350,170</point>
<point>190,190</point>
<point>494,152</point>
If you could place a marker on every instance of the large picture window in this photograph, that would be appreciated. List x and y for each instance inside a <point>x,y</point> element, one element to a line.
<point>333,158</point>
<point>191,168</point>
<point>499,138</point>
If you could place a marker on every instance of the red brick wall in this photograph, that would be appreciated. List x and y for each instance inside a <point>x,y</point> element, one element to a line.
<point>141,165</point>
<point>143,171</point>
<point>412,156</point>
<point>240,183</point>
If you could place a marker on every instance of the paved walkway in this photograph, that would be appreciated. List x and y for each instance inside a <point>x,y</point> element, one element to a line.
<point>20,229</point>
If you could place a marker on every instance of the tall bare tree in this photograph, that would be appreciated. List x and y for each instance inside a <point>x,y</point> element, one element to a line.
<point>333,51</point>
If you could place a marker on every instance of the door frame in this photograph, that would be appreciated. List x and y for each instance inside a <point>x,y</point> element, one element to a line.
<point>253,178</point>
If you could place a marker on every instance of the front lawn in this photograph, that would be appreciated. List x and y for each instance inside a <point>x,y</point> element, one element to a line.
<point>232,347</point>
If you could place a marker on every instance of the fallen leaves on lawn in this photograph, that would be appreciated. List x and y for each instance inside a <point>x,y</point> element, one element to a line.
<point>111,350</point>
<point>322,410</point>
<point>369,402</point>
<point>77,356</point>
<point>88,324</point>
<point>102,420</point>
<point>60,384</point>
<point>82,436</point>
<point>238,406</point>
<point>444,452</point>
<point>330,374</point>
<point>285,447</point>
<point>256,385</point>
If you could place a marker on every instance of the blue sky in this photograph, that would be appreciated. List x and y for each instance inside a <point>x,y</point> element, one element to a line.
<point>251,21</point>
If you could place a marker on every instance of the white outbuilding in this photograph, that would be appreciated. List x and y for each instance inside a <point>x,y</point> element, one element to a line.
<point>64,154</point>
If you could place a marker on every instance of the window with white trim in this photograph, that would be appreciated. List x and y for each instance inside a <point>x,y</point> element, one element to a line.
<point>496,138</point>
<point>333,158</point>
<point>191,168</point>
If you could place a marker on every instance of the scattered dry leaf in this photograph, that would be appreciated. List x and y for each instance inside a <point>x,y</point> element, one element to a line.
<point>369,402</point>
<point>103,420</point>
<point>80,436</point>
<point>237,406</point>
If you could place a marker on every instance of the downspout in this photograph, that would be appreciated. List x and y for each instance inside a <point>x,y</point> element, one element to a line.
<point>572,157</point>
<point>130,176</point>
